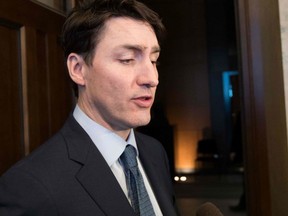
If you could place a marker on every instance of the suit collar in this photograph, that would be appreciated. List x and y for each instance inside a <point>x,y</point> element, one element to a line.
<point>95,175</point>
<point>101,136</point>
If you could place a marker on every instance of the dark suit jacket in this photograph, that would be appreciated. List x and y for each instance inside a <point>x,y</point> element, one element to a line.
<point>67,175</point>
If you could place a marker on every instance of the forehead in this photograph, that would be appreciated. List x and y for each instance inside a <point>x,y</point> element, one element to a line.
<point>123,30</point>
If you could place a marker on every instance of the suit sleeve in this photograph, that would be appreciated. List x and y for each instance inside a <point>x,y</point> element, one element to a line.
<point>23,194</point>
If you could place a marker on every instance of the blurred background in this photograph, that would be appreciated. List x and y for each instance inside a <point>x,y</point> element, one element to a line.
<point>220,108</point>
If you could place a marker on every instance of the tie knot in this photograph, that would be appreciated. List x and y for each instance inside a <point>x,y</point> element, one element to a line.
<point>128,157</point>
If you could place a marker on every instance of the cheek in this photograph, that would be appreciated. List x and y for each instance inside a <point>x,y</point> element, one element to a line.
<point>118,81</point>
<point>116,89</point>
<point>111,83</point>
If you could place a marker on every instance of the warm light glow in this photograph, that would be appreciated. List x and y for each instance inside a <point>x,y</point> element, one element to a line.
<point>185,151</point>
<point>188,110</point>
<point>176,178</point>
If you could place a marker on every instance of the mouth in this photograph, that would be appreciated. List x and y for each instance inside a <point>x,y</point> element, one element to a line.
<point>143,101</point>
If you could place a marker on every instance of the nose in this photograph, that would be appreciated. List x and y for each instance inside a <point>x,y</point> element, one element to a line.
<point>148,75</point>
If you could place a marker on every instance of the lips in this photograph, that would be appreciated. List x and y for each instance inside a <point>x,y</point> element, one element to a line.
<point>143,101</point>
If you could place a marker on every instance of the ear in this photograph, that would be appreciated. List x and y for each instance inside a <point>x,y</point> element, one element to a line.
<point>76,68</point>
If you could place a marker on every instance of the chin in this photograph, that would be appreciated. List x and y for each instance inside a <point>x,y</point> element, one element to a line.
<point>142,122</point>
<point>137,119</point>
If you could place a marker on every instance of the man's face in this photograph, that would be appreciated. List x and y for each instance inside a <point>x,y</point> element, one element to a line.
<point>120,85</point>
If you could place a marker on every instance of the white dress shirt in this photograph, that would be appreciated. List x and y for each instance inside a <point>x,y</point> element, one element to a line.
<point>111,146</point>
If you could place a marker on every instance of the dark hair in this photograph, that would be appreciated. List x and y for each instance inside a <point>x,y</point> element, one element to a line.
<point>85,22</point>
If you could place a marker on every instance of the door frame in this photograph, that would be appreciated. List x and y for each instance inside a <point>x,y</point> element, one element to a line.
<point>265,127</point>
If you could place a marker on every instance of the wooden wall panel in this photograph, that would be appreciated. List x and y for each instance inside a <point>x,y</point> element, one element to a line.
<point>36,75</point>
<point>11,136</point>
<point>36,97</point>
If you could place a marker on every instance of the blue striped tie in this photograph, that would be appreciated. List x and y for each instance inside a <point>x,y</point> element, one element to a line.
<point>136,189</point>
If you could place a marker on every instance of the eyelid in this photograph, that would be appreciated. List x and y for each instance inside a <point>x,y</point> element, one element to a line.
<point>157,63</point>
<point>126,60</point>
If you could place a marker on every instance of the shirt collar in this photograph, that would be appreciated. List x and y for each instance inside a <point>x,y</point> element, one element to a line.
<point>110,145</point>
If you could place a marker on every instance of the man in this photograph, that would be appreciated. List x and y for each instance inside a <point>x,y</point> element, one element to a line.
<point>112,49</point>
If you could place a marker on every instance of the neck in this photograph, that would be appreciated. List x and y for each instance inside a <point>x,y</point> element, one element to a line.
<point>86,109</point>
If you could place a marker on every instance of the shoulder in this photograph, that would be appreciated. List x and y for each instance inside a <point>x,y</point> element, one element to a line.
<point>30,183</point>
<point>23,187</point>
<point>51,154</point>
<point>41,159</point>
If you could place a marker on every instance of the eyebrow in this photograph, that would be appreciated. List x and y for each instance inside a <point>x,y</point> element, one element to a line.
<point>138,48</point>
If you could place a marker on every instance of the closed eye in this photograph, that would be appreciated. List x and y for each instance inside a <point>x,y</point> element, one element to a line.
<point>126,61</point>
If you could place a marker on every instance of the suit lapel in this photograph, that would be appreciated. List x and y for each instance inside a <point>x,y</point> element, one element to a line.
<point>95,175</point>
<point>99,181</point>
